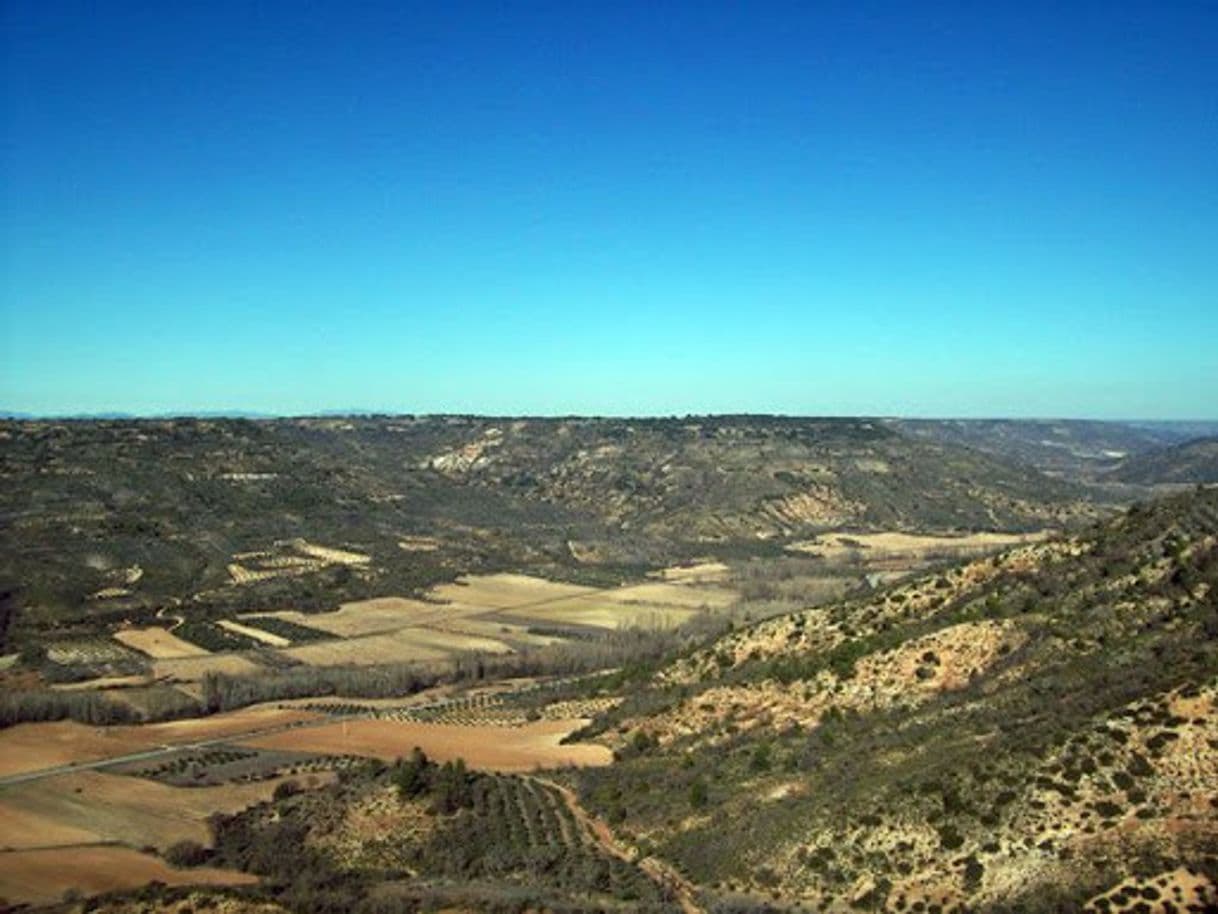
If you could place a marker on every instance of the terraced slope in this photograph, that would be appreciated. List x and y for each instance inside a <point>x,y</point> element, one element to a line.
<point>419,832</point>
<point>1025,732</point>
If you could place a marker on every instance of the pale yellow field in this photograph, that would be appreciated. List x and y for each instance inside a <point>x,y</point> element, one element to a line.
<point>101,682</point>
<point>403,645</point>
<point>525,598</point>
<point>599,612</point>
<point>664,594</point>
<point>403,623</point>
<point>192,669</point>
<point>893,544</point>
<point>158,643</point>
<point>418,544</point>
<point>500,591</point>
<point>496,629</point>
<point>700,572</point>
<point>366,617</point>
<point>332,556</point>
<point>653,604</point>
<point>524,748</point>
<point>42,876</point>
<point>256,633</point>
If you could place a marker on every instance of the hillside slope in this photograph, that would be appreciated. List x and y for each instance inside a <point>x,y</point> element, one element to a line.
<point>1189,463</point>
<point>114,519</point>
<point>724,477</point>
<point>1023,732</point>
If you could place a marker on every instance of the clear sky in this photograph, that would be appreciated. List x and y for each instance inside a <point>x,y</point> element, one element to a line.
<point>954,209</point>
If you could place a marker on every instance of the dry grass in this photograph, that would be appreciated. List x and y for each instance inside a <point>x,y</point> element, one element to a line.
<point>43,876</point>
<point>534,745</point>
<point>158,643</point>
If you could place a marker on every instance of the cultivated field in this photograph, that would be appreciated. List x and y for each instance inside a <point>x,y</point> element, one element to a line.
<point>503,591</point>
<point>653,604</point>
<point>407,644</point>
<point>490,613</point>
<point>158,643</point>
<point>25,829</point>
<point>488,748</point>
<point>43,876</point>
<point>897,545</point>
<point>698,572</point>
<point>193,669</point>
<point>33,747</point>
<point>100,808</point>
<point>367,617</point>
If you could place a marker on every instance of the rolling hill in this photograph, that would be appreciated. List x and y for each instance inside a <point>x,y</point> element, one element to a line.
<point>1191,462</point>
<point>113,520</point>
<point>1026,732</point>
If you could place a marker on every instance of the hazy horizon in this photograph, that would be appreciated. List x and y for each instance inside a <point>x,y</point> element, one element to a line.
<point>118,415</point>
<point>629,210</point>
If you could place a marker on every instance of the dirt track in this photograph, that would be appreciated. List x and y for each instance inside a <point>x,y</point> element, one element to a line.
<point>660,872</point>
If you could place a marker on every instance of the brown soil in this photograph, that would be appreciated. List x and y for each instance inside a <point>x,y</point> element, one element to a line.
<point>505,749</point>
<point>44,875</point>
<point>31,747</point>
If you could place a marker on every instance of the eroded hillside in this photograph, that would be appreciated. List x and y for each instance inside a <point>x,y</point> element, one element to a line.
<point>1017,733</point>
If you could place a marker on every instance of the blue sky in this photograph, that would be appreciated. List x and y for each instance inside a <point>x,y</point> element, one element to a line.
<point>812,208</point>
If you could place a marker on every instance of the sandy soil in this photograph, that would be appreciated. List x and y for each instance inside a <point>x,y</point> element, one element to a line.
<point>256,633</point>
<point>158,643</point>
<point>44,875</point>
<point>514,749</point>
<point>30,747</point>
